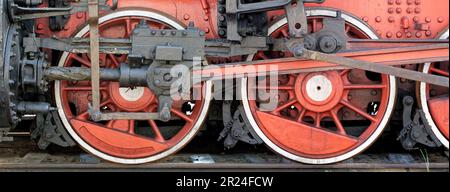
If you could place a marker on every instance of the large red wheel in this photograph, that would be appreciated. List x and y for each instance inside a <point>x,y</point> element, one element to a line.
<point>322,117</point>
<point>126,141</point>
<point>434,100</point>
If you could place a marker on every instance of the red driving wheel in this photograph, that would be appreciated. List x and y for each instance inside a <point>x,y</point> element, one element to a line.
<point>433,99</point>
<point>320,117</point>
<point>126,141</point>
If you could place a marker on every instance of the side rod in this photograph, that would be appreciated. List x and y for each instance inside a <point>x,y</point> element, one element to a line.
<point>377,68</point>
<point>383,57</point>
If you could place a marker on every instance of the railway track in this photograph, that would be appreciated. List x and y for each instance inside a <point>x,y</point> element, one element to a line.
<point>27,158</point>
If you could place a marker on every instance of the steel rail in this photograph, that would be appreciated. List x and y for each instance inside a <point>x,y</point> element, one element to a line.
<point>230,167</point>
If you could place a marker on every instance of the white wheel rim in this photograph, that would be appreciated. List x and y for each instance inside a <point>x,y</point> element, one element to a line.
<point>92,150</point>
<point>424,102</point>
<point>390,107</point>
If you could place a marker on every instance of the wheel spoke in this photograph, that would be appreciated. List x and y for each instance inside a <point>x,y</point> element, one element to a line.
<point>131,126</point>
<point>83,61</point>
<point>314,26</point>
<point>128,27</point>
<point>439,71</point>
<point>181,115</point>
<point>354,86</point>
<point>301,115</point>
<point>345,72</point>
<point>85,115</point>
<point>359,111</point>
<point>155,128</point>
<point>114,61</point>
<point>317,120</point>
<point>285,33</point>
<point>284,106</point>
<point>347,28</point>
<point>261,55</point>
<point>279,87</point>
<point>338,123</point>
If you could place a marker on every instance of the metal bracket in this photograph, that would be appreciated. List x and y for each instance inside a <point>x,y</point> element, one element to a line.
<point>4,135</point>
<point>19,13</point>
<point>416,130</point>
<point>50,130</point>
<point>237,128</point>
<point>296,17</point>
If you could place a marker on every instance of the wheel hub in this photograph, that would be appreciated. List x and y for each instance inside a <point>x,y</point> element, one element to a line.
<point>319,92</point>
<point>130,99</point>
<point>319,88</point>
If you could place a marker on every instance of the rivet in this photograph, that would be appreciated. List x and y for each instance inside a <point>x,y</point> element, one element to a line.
<point>365,19</point>
<point>409,10</point>
<point>418,34</point>
<point>391,10</point>
<point>428,33</point>
<point>186,17</point>
<point>399,10</point>
<point>378,19</point>
<point>440,19</point>
<point>416,19</point>
<point>80,15</point>
<point>206,18</point>
<point>418,2</point>
<point>408,34</point>
<point>222,32</point>
<point>390,2</point>
<point>207,30</point>
<point>221,18</point>
<point>409,2</point>
<point>374,92</point>
<point>427,19</point>
<point>391,19</point>
<point>399,2</point>
<point>388,34</point>
<point>417,10</point>
<point>399,34</point>
<point>40,26</point>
